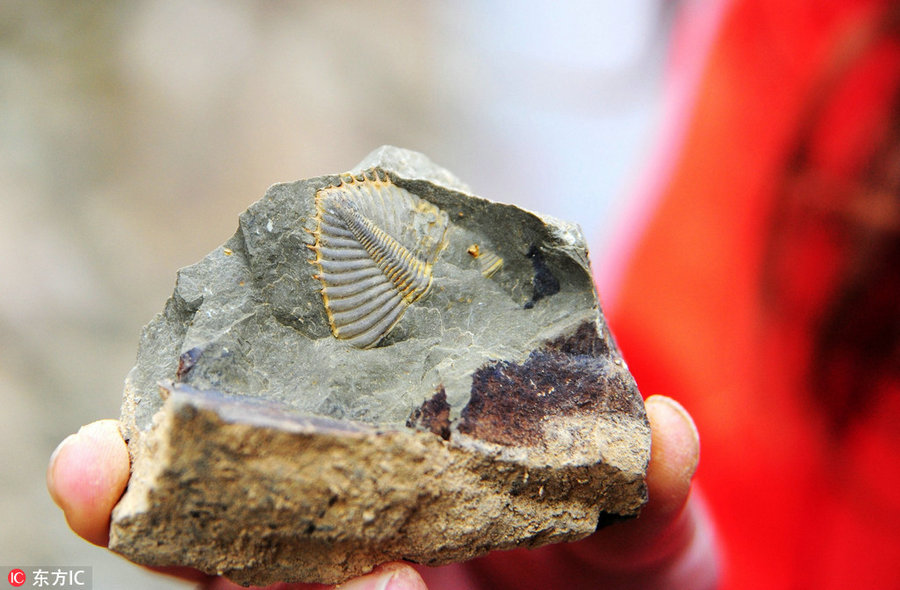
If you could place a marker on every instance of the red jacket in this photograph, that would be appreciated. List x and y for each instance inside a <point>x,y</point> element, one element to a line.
<point>796,507</point>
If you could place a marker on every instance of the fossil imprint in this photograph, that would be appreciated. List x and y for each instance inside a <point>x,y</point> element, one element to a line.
<point>488,261</point>
<point>375,247</point>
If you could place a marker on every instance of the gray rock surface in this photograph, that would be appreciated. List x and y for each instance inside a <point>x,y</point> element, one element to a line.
<point>496,414</point>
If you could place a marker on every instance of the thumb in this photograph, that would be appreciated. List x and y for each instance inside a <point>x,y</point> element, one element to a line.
<point>663,529</point>
<point>87,474</point>
<point>390,576</point>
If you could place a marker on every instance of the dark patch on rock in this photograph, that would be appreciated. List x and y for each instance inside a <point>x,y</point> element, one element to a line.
<point>544,283</point>
<point>433,415</point>
<point>186,362</point>
<point>585,341</point>
<point>510,402</point>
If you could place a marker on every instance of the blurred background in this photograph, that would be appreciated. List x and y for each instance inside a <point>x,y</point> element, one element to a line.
<point>132,135</point>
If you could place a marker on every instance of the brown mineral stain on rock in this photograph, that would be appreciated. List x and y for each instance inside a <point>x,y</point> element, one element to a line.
<point>570,377</point>
<point>186,362</point>
<point>585,341</point>
<point>433,415</point>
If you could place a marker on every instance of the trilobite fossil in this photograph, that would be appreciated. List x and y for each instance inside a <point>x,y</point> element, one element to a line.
<point>375,247</point>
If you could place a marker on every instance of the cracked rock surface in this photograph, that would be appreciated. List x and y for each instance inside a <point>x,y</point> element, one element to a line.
<point>497,413</point>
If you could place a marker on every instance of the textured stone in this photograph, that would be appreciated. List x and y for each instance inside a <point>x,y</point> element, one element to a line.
<point>497,413</point>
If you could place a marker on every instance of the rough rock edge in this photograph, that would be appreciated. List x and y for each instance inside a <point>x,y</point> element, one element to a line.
<point>466,494</point>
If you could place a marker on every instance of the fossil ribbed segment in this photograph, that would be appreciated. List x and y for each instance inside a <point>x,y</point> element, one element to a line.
<point>375,247</point>
<point>488,262</point>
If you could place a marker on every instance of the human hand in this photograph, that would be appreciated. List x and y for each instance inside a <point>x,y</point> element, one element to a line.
<point>89,470</point>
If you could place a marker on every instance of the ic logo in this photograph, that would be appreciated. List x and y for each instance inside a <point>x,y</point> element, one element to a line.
<point>16,577</point>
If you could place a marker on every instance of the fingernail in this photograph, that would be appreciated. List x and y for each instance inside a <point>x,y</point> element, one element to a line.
<point>690,427</point>
<point>683,413</point>
<point>404,578</point>
<point>51,467</point>
<point>370,582</point>
<point>100,429</point>
<point>389,582</point>
<point>65,442</point>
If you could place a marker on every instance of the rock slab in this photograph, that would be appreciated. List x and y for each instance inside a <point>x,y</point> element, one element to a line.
<point>495,413</point>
